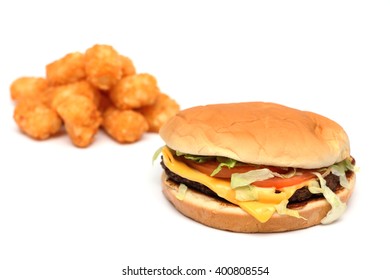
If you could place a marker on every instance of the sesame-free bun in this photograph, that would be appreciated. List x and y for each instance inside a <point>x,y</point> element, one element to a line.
<point>258,133</point>
<point>226,216</point>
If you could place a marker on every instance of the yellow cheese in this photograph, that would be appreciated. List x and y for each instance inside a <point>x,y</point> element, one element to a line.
<point>262,209</point>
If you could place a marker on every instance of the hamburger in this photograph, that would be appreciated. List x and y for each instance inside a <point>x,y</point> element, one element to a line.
<point>256,167</point>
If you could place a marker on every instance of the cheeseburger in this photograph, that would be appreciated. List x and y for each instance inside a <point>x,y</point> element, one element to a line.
<point>256,167</point>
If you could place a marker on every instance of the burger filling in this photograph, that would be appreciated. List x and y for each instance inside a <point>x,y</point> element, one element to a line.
<point>300,197</point>
<point>259,190</point>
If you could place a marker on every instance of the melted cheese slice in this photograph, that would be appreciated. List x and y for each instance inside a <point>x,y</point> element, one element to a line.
<point>262,209</point>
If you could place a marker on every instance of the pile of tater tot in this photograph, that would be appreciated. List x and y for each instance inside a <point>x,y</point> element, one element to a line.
<point>85,91</point>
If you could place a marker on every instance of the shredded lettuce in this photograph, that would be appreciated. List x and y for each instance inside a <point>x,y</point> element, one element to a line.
<point>247,178</point>
<point>314,187</point>
<point>182,192</point>
<point>350,166</point>
<point>199,159</point>
<point>338,207</point>
<point>339,170</point>
<point>247,193</point>
<point>223,161</point>
<point>290,174</point>
<point>156,154</point>
<point>251,193</point>
<point>282,209</point>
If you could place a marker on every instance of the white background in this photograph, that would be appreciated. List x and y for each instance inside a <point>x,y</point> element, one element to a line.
<point>69,213</point>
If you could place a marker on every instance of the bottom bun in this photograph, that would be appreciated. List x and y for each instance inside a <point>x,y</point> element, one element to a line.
<point>226,216</point>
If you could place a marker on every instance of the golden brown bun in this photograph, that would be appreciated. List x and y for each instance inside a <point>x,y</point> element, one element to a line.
<point>259,133</point>
<point>217,214</point>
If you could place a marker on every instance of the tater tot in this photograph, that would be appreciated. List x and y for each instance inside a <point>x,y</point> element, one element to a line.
<point>158,113</point>
<point>81,136</point>
<point>36,119</point>
<point>68,69</point>
<point>128,68</point>
<point>103,66</point>
<point>81,117</point>
<point>60,93</point>
<point>28,88</point>
<point>125,126</point>
<point>83,91</point>
<point>135,91</point>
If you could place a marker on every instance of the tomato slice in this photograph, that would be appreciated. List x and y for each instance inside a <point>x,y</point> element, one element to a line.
<point>285,182</point>
<point>209,166</point>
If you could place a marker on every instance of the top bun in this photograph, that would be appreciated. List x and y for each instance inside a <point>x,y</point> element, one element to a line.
<point>258,133</point>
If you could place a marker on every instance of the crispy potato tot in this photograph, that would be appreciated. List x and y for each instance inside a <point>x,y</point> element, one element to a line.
<point>81,136</point>
<point>135,91</point>
<point>60,93</point>
<point>125,126</point>
<point>28,88</point>
<point>68,69</point>
<point>128,68</point>
<point>103,66</point>
<point>81,117</point>
<point>84,91</point>
<point>80,110</point>
<point>36,119</point>
<point>158,113</point>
